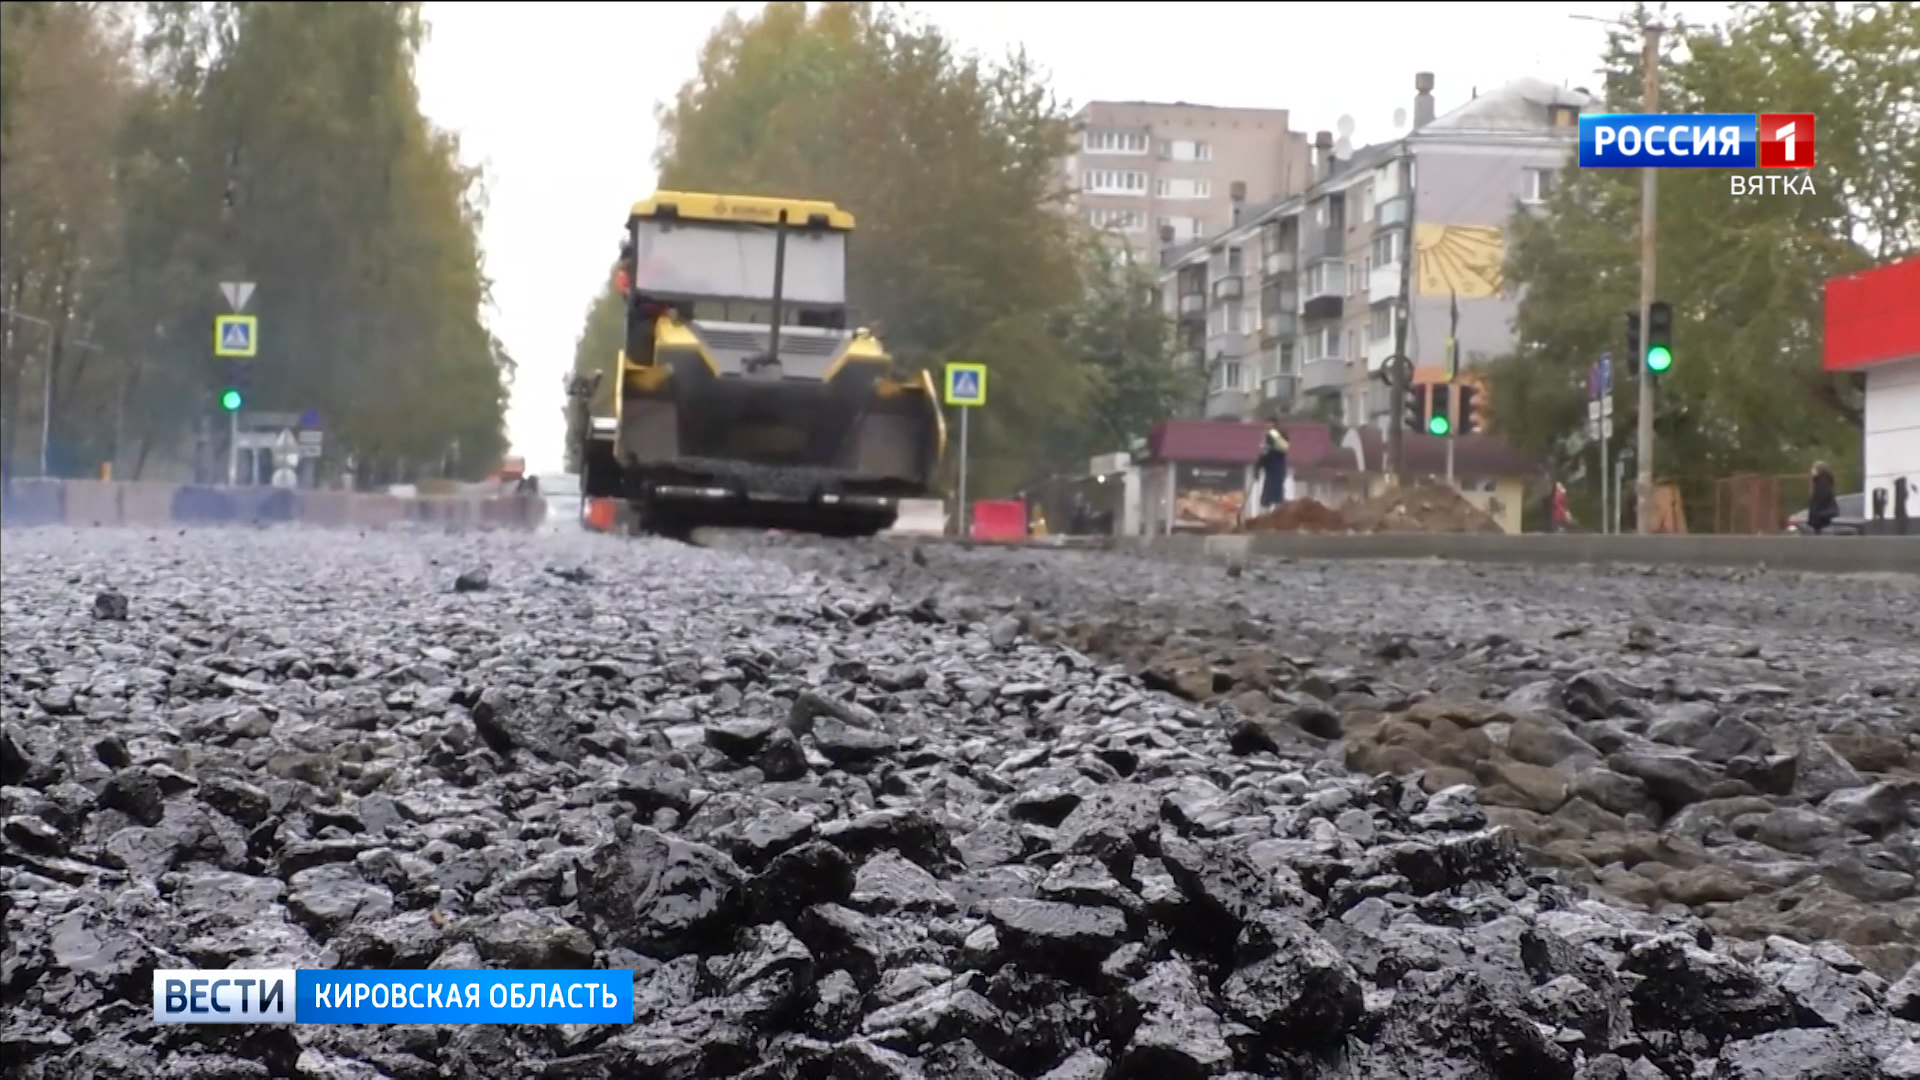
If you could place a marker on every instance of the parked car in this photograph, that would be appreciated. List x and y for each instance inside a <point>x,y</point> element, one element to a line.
<point>1852,520</point>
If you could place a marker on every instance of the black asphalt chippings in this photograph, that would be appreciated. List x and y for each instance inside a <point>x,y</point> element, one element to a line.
<point>853,825</point>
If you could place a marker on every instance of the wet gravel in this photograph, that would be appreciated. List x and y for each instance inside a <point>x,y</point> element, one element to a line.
<point>960,815</point>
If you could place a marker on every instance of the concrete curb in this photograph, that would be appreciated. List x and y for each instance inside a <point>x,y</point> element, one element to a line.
<point>1820,555</point>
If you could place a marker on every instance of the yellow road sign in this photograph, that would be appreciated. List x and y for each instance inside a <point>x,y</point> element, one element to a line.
<point>236,337</point>
<point>966,384</point>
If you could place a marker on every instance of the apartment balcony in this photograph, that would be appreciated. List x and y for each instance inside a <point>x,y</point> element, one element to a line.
<point>1231,344</point>
<point>1188,358</point>
<point>1379,352</point>
<point>1276,359</point>
<point>1391,212</point>
<point>1280,389</point>
<point>1383,282</point>
<point>1328,243</point>
<point>1280,325</point>
<point>1193,303</point>
<point>1279,262</point>
<point>1328,375</point>
<point>1232,287</point>
<point>1229,403</point>
<point>1323,295</point>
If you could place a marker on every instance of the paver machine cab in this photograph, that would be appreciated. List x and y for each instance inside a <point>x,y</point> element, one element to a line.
<point>741,397</point>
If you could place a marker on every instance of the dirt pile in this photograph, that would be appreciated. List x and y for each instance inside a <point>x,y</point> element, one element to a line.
<point>1299,515</point>
<point>1428,508</point>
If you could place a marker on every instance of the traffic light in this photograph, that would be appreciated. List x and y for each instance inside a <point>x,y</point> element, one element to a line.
<point>1415,418</point>
<point>1633,333</point>
<point>235,376</point>
<point>1440,415</point>
<point>1469,410</point>
<point>1659,337</point>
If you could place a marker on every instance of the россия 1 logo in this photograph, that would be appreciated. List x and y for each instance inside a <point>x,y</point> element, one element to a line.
<point>1706,141</point>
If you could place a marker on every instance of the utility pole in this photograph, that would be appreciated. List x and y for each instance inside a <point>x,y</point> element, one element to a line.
<point>1400,371</point>
<point>1643,454</point>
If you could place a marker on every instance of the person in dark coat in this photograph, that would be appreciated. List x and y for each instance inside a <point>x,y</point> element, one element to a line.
<point>1822,504</point>
<point>1273,468</point>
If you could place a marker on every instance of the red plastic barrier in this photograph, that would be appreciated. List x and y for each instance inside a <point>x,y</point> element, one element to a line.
<point>1000,519</point>
<point>600,515</point>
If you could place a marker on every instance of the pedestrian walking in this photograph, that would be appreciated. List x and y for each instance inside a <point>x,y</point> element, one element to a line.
<point>1822,504</point>
<point>1273,467</point>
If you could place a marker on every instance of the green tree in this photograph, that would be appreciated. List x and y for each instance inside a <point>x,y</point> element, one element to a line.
<point>1745,275</point>
<point>1122,340</point>
<point>950,163</point>
<point>600,340</point>
<point>69,90</point>
<point>276,143</point>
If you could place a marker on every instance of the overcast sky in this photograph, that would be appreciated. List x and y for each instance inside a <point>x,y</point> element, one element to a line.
<point>556,101</point>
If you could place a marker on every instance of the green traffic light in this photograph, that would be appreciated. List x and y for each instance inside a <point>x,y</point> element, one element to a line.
<point>230,400</point>
<point>1659,359</point>
<point>1439,425</point>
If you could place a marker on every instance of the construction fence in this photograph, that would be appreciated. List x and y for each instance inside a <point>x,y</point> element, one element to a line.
<point>105,503</point>
<point>1746,504</point>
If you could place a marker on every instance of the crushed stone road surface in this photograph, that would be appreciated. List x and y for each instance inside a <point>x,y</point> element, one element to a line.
<point>897,820</point>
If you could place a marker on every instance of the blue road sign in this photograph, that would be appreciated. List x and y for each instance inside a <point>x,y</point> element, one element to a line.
<point>310,418</point>
<point>236,336</point>
<point>966,384</point>
<point>1606,374</point>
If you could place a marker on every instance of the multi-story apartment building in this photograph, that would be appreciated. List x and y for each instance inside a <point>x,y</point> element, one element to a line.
<point>1330,266</point>
<point>1143,169</point>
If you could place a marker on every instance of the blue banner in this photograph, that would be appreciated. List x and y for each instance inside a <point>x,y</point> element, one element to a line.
<point>1669,141</point>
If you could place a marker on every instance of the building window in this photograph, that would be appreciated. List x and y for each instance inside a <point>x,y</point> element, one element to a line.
<point>1326,279</point>
<point>1179,188</point>
<point>1126,221</point>
<point>1356,280</point>
<point>1270,239</point>
<point>1322,344</point>
<point>1540,184</point>
<point>1110,141</point>
<point>1386,248</point>
<point>1320,213</point>
<point>1356,345</point>
<point>1236,261</point>
<point>1186,150</point>
<point>1236,319</point>
<point>1189,228</point>
<point>1380,323</point>
<point>1115,182</point>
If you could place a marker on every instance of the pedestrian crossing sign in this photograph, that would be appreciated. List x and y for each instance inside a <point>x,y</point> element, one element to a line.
<point>966,384</point>
<point>236,337</point>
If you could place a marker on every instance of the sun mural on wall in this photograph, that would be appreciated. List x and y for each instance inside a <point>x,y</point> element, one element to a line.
<point>1459,260</point>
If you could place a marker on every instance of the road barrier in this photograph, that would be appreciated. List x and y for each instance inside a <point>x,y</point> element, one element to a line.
<point>104,503</point>
<point>921,517</point>
<point>999,520</point>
